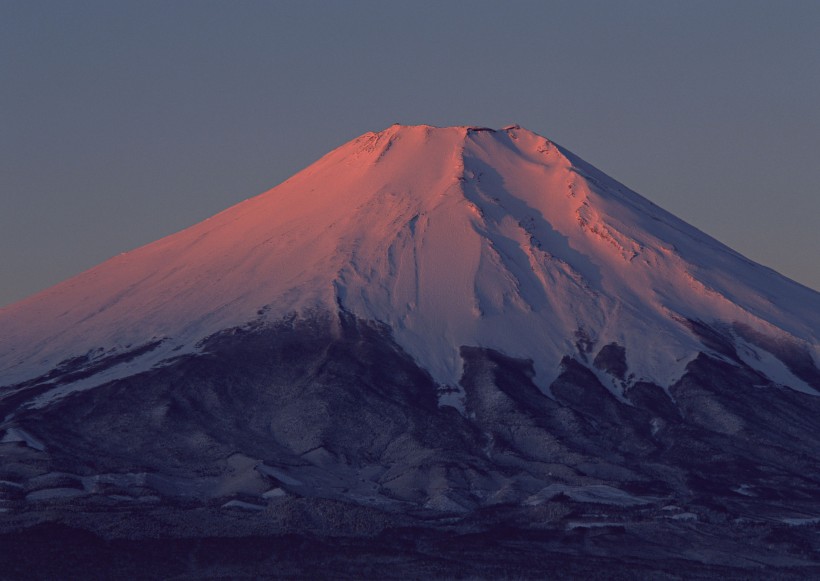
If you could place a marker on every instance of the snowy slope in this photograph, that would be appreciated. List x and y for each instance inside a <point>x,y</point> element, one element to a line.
<point>451,236</point>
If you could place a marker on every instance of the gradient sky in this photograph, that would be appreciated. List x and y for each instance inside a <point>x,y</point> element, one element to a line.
<point>121,122</point>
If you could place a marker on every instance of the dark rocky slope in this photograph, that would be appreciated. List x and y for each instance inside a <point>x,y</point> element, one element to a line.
<point>328,439</point>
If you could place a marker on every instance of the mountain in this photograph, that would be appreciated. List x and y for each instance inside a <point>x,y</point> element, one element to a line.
<point>429,328</point>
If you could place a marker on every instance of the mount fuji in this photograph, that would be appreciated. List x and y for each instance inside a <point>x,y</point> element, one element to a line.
<point>452,331</point>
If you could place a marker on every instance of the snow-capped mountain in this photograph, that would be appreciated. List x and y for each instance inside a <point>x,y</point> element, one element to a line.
<point>438,330</point>
<point>451,237</point>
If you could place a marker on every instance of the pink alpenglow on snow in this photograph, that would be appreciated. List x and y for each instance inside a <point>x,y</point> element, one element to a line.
<point>450,236</point>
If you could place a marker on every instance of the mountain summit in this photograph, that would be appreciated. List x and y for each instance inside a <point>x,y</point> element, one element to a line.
<point>429,335</point>
<point>451,237</point>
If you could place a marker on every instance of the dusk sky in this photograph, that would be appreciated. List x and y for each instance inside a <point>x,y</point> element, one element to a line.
<point>122,122</point>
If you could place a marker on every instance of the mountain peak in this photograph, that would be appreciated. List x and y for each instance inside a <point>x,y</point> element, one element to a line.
<point>454,236</point>
<point>456,131</point>
<point>464,128</point>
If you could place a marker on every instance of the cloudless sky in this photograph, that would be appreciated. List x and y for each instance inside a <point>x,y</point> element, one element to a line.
<point>124,121</point>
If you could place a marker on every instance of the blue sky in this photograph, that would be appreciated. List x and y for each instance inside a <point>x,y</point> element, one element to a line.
<point>121,122</point>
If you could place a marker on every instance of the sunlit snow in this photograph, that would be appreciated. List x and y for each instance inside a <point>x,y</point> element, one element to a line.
<point>450,236</point>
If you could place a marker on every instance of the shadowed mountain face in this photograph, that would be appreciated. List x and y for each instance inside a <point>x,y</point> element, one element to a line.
<point>449,351</point>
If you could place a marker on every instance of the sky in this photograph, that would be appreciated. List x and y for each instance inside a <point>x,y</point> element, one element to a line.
<point>122,122</point>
